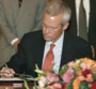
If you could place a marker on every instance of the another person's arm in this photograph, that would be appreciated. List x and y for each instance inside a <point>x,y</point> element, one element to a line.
<point>6,29</point>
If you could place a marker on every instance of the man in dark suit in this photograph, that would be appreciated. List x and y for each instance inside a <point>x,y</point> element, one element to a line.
<point>17,17</point>
<point>90,9</point>
<point>35,45</point>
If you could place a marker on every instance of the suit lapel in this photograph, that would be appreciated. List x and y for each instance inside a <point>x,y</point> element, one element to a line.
<point>66,52</point>
<point>63,59</point>
<point>40,54</point>
<point>40,50</point>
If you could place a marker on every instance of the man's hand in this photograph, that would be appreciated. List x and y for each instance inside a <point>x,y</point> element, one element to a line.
<point>7,72</point>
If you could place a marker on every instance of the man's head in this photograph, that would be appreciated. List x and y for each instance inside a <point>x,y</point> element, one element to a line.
<point>56,19</point>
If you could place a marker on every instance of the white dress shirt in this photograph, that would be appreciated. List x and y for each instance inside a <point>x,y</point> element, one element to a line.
<point>86,4</point>
<point>57,52</point>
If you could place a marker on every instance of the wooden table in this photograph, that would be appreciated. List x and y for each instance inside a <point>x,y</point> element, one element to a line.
<point>14,83</point>
<point>9,87</point>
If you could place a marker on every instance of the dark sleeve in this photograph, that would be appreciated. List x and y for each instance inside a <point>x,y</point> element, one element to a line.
<point>17,61</point>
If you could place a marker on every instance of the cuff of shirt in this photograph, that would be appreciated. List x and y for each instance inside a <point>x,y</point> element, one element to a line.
<point>13,41</point>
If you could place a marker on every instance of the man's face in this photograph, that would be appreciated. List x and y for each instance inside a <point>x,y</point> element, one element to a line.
<point>52,28</point>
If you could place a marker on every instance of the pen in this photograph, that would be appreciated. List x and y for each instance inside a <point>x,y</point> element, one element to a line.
<point>5,65</point>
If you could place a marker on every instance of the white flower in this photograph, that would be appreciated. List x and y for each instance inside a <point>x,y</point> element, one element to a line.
<point>42,82</point>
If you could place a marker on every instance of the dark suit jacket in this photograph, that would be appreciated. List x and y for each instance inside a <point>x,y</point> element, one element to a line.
<point>92,21</point>
<point>31,49</point>
<point>15,22</point>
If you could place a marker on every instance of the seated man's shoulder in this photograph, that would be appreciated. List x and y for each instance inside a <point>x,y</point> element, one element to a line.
<point>73,39</point>
<point>34,33</point>
<point>31,37</point>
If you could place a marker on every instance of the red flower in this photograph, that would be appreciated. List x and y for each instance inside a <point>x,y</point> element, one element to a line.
<point>93,86</point>
<point>64,85</point>
<point>86,72</point>
<point>55,85</point>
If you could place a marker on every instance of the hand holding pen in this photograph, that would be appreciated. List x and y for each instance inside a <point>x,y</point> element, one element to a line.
<point>7,72</point>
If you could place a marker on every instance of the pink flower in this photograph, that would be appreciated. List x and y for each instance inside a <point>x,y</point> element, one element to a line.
<point>52,77</point>
<point>84,66</point>
<point>68,75</point>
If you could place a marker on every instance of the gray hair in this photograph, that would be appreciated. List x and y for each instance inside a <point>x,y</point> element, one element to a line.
<point>56,7</point>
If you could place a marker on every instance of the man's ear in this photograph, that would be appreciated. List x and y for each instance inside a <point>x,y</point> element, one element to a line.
<point>65,26</point>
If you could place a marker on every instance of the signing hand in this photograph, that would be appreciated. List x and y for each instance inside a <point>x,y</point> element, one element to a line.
<point>7,72</point>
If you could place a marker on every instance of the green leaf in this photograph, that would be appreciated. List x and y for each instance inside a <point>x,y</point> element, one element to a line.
<point>63,69</point>
<point>26,84</point>
<point>69,85</point>
<point>39,72</point>
<point>83,85</point>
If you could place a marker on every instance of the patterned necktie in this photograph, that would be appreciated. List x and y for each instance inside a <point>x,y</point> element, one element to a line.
<point>49,58</point>
<point>82,22</point>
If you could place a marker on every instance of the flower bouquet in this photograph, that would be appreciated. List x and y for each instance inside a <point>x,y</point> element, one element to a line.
<point>78,74</point>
